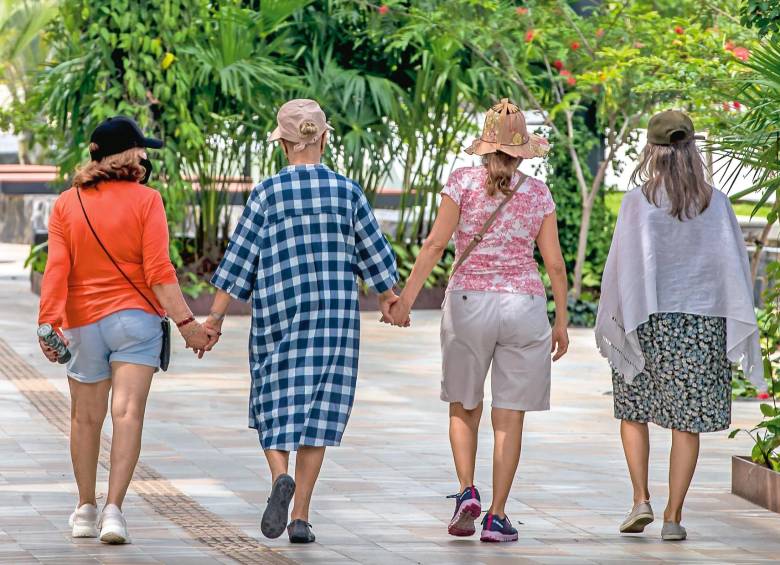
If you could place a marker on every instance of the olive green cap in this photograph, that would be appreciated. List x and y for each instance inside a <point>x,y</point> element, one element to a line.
<point>671,125</point>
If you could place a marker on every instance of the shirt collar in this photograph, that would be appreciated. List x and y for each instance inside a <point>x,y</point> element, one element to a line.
<point>307,167</point>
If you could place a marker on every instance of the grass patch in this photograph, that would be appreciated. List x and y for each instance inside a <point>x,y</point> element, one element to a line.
<point>613,200</point>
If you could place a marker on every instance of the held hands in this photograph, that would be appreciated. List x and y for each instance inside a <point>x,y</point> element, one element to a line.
<point>560,340</point>
<point>199,337</point>
<point>394,310</point>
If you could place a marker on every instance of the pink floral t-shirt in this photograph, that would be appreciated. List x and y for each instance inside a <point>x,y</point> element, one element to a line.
<point>504,260</point>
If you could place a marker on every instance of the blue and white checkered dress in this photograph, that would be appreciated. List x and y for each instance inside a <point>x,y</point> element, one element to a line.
<point>305,235</point>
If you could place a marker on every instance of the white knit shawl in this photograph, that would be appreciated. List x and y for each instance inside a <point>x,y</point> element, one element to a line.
<point>657,263</point>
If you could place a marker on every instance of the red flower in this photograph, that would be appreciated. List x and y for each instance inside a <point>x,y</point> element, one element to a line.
<point>383,9</point>
<point>678,30</point>
<point>558,64</point>
<point>575,45</point>
<point>762,395</point>
<point>737,105</point>
<point>741,53</point>
<point>571,81</point>
<point>729,46</point>
<point>529,35</point>
<point>600,32</point>
<point>521,11</point>
<point>565,73</point>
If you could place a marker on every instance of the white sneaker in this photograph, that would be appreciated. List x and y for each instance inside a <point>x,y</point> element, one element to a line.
<point>113,527</point>
<point>83,521</point>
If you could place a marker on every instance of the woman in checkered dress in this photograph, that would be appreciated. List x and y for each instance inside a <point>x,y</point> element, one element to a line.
<point>305,235</point>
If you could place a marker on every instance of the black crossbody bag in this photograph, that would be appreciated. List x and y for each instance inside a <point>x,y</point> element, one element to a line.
<point>165,323</point>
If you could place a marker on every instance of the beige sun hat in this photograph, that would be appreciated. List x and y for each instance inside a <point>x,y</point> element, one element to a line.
<point>505,131</point>
<point>300,121</point>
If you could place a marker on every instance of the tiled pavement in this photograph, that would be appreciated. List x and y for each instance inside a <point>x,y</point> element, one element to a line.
<point>381,495</point>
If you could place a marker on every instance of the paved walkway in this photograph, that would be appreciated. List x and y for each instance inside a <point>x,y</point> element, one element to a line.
<point>381,495</point>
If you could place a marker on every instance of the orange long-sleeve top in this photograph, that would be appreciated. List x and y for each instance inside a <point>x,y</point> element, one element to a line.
<point>81,285</point>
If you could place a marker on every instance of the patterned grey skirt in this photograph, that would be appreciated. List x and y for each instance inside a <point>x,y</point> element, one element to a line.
<point>686,383</point>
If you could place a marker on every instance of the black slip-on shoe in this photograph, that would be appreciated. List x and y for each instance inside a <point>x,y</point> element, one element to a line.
<point>300,532</point>
<point>275,515</point>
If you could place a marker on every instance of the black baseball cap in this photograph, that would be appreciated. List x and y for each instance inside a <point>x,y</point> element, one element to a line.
<point>118,134</point>
<point>672,125</point>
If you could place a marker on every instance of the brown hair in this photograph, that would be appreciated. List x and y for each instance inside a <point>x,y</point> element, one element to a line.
<point>678,170</point>
<point>500,168</point>
<point>120,166</point>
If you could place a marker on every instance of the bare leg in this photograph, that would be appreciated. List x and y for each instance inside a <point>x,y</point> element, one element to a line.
<point>636,447</point>
<point>131,383</point>
<point>508,437</point>
<point>88,407</point>
<point>278,462</point>
<point>464,431</point>
<point>682,464</point>
<point>308,463</point>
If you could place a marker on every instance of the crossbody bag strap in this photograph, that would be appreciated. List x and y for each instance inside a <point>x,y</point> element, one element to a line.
<point>118,268</point>
<point>486,226</point>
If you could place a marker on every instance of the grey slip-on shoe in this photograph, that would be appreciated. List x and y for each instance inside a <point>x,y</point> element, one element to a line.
<point>640,516</point>
<point>673,531</point>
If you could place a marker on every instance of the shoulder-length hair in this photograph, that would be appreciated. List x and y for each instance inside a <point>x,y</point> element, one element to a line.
<point>678,170</point>
<point>500,168</point>
<point>120,166</point>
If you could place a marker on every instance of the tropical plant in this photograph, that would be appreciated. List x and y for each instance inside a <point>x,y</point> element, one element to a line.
<point>23,49</point>
<point>765,436</point>
<point>625,58</point>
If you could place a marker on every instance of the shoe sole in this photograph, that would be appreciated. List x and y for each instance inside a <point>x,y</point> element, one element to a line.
<point>462,524</point>
<point>113,538</point>
<point>84,532</point>
<point>274,519</point>
<point>301,540</point>
<point>673,537</point>
<point>497,537</point>
<point>637,525</point>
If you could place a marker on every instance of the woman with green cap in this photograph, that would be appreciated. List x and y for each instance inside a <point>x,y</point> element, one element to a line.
<point>676,310</point>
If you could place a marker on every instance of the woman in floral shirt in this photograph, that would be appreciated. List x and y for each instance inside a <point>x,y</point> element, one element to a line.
<point>495,310</point>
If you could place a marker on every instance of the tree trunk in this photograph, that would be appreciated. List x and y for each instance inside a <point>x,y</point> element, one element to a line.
<point>582,245</point>
<point>755,261</point>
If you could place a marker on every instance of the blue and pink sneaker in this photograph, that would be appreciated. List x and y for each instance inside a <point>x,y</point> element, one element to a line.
<point>467,509</point>
<point>495,529</point>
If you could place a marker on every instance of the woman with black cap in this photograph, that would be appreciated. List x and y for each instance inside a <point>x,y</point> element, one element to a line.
<point>676,310</point>
<point>108,283</point>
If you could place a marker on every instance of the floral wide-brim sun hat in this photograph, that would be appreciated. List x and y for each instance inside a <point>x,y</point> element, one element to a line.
<point>505,131</point>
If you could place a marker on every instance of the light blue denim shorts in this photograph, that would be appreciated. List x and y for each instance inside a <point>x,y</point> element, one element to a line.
<point>130,336</point>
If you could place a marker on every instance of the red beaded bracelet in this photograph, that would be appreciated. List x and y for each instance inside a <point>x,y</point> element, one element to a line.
<point>185,322</point>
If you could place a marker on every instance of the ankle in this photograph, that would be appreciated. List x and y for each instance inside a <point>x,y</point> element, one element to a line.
<point>83,501</point>
<point>639,499</point>
<point>498,512</point>
<point>465,485</point>
<point>672,515</point>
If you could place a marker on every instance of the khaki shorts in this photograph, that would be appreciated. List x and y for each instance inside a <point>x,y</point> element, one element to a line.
<point>512,332</point>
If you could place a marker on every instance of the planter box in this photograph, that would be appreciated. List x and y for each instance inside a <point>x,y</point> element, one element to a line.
<point>755,483</point>
<point>201,305</point>
<point>35,282</point>
<point>428,299</point>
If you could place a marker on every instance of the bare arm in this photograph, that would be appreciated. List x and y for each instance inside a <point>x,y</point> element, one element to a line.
<point>170,297</point>
<point>429,256</point>
<point>550,248</point>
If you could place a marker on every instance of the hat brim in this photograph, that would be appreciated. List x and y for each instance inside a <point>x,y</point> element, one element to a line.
<point>537,146</point>
<point>152,143</point>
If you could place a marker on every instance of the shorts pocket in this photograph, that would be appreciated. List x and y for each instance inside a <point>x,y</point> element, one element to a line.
<point>138,325</point>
